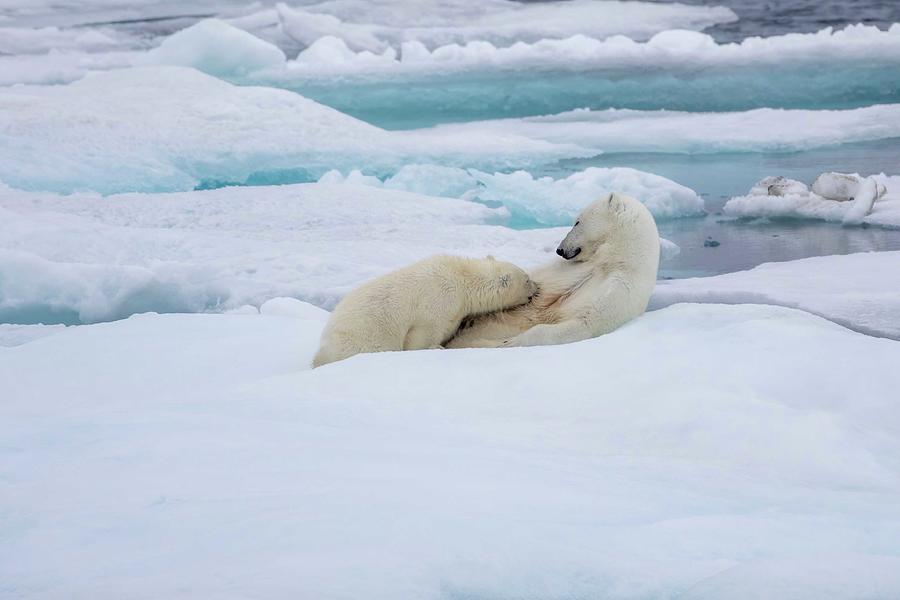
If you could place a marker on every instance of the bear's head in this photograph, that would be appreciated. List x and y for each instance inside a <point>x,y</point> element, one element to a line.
<point>602,221</point>
<point>513,284</point>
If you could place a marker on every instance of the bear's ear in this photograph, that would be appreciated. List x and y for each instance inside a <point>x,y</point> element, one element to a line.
<point>490,257</point>
<point>616,205</point>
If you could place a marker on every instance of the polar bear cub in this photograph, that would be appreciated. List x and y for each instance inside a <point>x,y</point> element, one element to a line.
<point>420,306</point>
<point>611,259</point>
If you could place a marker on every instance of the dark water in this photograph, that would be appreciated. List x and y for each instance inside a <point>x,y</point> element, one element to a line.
<point>777,17</point>
<point>746,244</point>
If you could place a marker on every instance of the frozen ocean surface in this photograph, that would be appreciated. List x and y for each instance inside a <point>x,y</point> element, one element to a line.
<point>186,188</point>
<point>215,451</point>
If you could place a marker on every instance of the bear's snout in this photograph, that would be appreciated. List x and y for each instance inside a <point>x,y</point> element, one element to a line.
<point>568,255</point>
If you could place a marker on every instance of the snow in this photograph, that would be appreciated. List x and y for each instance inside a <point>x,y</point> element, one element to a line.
<point>565,471</point>
<point>16,335</point>
<point>204,131</point>
<point>883,211</point>
<point>758,130</point>
<point>542,200</point>
<point>860,291</point>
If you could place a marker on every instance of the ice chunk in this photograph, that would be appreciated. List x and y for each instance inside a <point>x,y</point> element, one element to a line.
<point>865,196</point>
<point>783,187</point>
<point>860,291</point>
<point>217,48</point>
<point>542,200</point>
<point>668,249</point>
<point>841,186</point>
<point>211,448</point>
<point>305,27</point>
<point>880,207</point>
<point>556,201</point>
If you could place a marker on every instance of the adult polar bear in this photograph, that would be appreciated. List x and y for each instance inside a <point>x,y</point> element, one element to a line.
<point>612,257</point>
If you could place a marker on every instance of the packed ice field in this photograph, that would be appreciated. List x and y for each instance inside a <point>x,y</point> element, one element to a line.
<point>187,188</point>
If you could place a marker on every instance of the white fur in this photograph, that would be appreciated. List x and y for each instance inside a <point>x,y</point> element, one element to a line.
<point>420,306</point>
<point>606,284</point>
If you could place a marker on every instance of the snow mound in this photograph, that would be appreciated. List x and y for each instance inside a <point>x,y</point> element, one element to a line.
<point>565,471</point>
<point>758,130</point>
<point>860,291</point>
<point>205,132</point>
<point>883,211</point>
<point>542,200</point>
<point>216,48</point>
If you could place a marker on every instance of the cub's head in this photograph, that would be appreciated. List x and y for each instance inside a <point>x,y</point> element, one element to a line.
<point>513,285</point>
<point>600,222</point>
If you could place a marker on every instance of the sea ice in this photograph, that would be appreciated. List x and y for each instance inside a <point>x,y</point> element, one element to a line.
<point>880,207</point>
<point>675,50</point>
<point>860,291</point>
<point>366,26</point>
<point>542,200</point>
<point>564,471</point>
<point>675,69</point>
<point>204,132</point>
<point>758,130</point>
<point>86,258</point>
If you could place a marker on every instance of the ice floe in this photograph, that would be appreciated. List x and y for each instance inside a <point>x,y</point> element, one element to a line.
<point>204,131</point>
<point>678,51</point>
<point>372,27</point>
<point>758,130</point>
<point>860,291</point>
<point>542,200</point>
<point>86,258</point>
<point>565,471</point>
<point>676,69</point>
<point>876,202</point>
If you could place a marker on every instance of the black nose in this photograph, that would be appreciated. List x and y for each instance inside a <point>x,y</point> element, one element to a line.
<point>560,251</point>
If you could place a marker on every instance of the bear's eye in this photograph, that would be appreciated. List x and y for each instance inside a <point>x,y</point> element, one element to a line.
<point>576,223</point>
